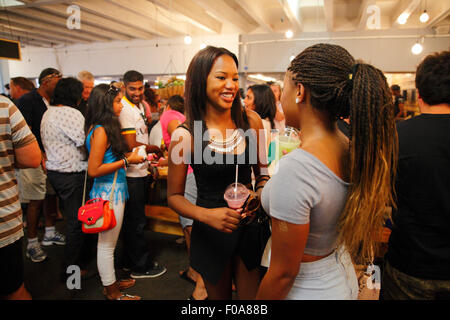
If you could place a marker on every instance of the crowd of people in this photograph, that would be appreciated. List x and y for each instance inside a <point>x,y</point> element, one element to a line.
<point>360,172</point>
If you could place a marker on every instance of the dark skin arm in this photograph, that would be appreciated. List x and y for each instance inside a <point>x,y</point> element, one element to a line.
<point>288,245</point>
<point>99,145</point>
<point>223,219</point>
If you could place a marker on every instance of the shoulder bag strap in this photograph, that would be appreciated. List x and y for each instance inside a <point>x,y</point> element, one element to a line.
<point>84,189</point>
<point>113,186</point>
<point>112,190</point>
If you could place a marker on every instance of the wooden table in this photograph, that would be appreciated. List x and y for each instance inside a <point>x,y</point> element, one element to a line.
<point>160,217</point>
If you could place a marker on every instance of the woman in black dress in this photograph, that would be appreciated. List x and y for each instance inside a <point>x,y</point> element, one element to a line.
<point>216,136</point>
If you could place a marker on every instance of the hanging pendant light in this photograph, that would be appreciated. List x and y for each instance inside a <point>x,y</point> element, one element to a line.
<point>424,17</point>
<point>417,48</point>
<point>188,39</point>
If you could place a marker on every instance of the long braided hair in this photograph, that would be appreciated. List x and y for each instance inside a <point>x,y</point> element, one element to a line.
<point>340,87</point>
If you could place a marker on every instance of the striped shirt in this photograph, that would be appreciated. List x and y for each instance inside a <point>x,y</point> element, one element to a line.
<point>14,133</point>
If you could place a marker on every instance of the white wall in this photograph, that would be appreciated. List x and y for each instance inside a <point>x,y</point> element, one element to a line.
<point>388,52</point>
<point>259,53</point>
<point>115,58</point>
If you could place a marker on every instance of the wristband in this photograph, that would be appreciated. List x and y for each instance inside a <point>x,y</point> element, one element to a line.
<point>259,187</point>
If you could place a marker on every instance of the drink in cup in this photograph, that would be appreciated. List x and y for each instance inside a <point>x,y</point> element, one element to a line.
<point>288,141</point>
<point>235,195</point>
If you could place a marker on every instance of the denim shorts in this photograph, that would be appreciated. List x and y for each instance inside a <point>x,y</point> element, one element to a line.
<point>330,278</point>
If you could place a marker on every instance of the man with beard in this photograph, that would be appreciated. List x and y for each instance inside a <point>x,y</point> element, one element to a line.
<point>135,131</point>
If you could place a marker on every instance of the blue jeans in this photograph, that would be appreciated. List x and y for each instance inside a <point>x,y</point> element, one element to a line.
<point>330,278</point>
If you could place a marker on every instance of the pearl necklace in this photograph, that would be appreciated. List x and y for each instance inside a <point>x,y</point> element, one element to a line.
<point>227,145</point>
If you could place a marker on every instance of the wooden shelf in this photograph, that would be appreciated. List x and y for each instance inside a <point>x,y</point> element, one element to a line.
<point>163,219</point>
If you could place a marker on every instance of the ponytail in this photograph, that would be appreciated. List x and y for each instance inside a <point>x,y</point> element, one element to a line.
<point>373,160</point>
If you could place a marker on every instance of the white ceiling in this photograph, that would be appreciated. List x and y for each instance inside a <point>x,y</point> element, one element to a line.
<point>44,22</point>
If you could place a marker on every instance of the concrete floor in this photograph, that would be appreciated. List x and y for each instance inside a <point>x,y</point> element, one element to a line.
<point>42,279</point>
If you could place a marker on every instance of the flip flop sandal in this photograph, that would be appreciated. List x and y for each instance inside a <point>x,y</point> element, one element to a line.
<point>126,296</point>
<point>184,276</point>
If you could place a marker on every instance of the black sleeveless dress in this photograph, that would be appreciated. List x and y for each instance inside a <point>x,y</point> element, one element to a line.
<point>211,249</point>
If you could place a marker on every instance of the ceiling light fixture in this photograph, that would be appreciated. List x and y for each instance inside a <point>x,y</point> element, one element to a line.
<point>403,18</point>
<point>417,48</point>
<point>424,17</point>
<point>289,34</point>
<point>188,40</point>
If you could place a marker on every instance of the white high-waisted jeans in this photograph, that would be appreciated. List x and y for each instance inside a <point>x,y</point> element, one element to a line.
<point>330,278</point>
<point>106,245</point>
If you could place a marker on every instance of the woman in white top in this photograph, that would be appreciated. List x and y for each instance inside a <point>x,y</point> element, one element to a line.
<point>280,121</point>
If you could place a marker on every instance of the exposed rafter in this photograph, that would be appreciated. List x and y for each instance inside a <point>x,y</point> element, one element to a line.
<point>403,7</point>
<point>109,25</point>
<point>196,14</point>
<point>50,28</point>
<point>43,16</point>
<point>227,10</point>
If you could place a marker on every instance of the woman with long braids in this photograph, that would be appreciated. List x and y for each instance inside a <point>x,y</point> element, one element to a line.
<point>106,157</point>
<point>327,201</point>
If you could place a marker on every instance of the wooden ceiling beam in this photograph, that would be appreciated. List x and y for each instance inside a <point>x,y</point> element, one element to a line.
<point>438,11</point>
<point>88,18</point>
<point>49,28</point>
<point>23,32</point>
<point>227,10</point>
<point>112,11</point>
<point>328,11</point>
<point>160,18</point>
<point>194,12</point>
<point>39,14</point>
<point>25,40</point>
<point>294,17</point>
<point>362,15</point>
<point>403,7</point>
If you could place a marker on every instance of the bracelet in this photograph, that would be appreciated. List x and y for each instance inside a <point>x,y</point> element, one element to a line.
<point>259,187</point>
<point>125,161</point>
<point>262,178</point>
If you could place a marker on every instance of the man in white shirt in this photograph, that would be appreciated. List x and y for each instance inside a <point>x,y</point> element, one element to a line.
<point>135,131</point>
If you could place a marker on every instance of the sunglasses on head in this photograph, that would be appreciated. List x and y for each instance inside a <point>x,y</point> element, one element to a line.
<point>115,87</point>
<point>50,76</point>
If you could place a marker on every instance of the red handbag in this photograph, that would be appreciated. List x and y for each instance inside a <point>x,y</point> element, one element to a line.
<point>96,215</point>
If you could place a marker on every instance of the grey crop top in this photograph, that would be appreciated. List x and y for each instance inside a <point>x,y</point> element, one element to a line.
<point>303,191</point>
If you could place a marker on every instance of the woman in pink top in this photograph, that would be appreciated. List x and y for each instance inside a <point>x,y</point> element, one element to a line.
<point>171,118</point>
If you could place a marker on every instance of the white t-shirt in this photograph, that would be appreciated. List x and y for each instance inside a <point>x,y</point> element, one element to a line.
<point>132,121</point>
